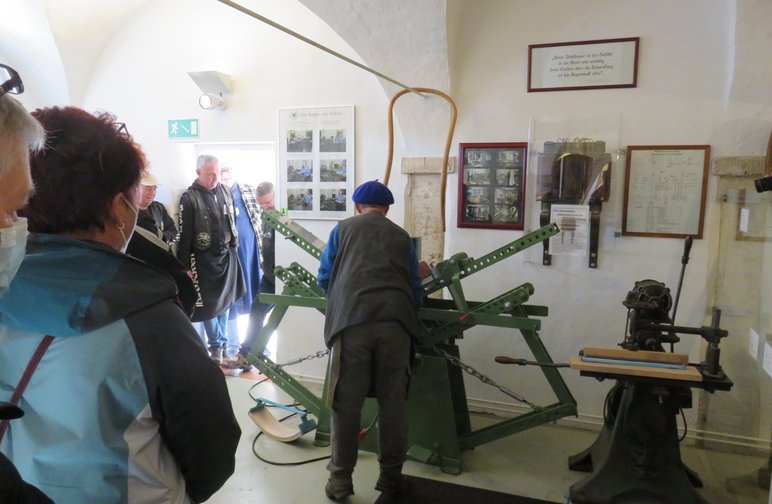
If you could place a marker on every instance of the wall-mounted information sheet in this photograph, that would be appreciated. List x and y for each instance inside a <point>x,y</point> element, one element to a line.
<point>665,191</point>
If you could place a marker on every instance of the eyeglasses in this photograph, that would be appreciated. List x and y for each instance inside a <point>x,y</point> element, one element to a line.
<point>121,128</point>
<point>11,82</point>
<point>267,202</point>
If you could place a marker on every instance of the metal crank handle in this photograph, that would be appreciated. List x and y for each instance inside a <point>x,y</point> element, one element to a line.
<point>503,359</point>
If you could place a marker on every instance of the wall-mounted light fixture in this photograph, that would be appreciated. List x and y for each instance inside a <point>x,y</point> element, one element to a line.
<point>209,102</point>
<point>213,85</point>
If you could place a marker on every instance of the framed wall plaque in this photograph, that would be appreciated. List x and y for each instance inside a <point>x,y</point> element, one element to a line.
<point>590,64</point>
<point>491,182</point>
<point>665,190</point>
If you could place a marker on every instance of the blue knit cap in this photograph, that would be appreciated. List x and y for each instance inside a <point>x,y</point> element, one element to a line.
<point>373,193</point>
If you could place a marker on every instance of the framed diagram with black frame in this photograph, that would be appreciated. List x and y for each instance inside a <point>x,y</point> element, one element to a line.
<point>491,185</point>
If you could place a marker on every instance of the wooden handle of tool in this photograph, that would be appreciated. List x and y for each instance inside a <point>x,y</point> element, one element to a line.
<point>503,359</point>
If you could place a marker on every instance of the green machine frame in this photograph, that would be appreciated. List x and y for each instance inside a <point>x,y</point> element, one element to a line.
<point>437,385</point>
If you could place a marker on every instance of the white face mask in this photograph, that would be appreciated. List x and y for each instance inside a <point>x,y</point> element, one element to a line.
<point>121,227</point>
<point>13,241</point>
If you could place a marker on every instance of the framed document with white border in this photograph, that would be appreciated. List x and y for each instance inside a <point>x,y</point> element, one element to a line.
<point>316,162</point>
<point>665,190</point>
<point>589,64</point>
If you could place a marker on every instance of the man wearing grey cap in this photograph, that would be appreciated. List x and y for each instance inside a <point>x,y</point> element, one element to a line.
<point>370,273</point>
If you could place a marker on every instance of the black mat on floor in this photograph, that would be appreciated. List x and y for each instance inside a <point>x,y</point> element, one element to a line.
<point>426,491</point>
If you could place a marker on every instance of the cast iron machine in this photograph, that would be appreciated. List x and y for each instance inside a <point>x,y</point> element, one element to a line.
<point>636,457</point>
<point>437,384</point>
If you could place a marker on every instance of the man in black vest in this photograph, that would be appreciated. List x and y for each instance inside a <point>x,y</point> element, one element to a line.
<point>207,246</point>
<point>370,273</point>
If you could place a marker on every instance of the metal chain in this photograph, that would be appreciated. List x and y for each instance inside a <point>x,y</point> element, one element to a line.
<point>472,371</point>
<point>319,354</point>
<point>453,360</point>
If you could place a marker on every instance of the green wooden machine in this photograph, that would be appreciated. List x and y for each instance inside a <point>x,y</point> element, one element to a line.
<point>437,385</point>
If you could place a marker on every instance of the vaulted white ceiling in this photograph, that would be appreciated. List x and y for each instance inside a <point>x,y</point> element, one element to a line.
<point>406,41</point>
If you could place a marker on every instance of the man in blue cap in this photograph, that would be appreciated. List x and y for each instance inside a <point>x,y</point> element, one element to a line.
<point>370,273</point>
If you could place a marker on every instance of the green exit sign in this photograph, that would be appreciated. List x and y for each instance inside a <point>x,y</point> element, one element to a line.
<point>183,128</point>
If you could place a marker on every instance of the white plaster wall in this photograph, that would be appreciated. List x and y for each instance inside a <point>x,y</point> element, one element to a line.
<point>28,46</point>
<point>406,41</point>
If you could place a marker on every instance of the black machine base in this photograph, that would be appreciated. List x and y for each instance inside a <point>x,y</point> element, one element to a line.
<point>636,457</point>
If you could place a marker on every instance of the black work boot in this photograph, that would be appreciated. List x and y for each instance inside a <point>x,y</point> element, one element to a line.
<point>392,481</point>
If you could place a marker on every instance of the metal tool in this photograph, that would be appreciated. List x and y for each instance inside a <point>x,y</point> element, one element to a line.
<point>636,457</point>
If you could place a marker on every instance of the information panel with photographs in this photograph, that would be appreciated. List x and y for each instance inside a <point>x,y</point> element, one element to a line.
<point>491,185</point>
<point>316,162</point>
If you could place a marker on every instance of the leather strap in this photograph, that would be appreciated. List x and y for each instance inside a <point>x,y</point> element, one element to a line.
<point>25,378</point>
<point>595,208</point>
<point>544,219</point>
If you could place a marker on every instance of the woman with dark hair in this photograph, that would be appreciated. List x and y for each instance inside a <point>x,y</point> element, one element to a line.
<point>107,418</point>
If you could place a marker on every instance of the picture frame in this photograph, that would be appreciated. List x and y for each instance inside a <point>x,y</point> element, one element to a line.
<point>316,162</point>
<point>491,182</point>
<point>665,190</point>
<point>587,64</point>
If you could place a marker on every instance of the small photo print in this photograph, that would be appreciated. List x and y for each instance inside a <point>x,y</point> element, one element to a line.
<point>332,200</point>
<point>506,214</point>
<point>299,140</point>
<point>478,195</point>
<point>508,177</point>
<point>300,170</point>
<point>300,199</point>
<point>332,140</point>
<point>509,158</point>
<point>332,170</point>
<point>477,213</point>
<point>477,176</point>
<point>477,158</point>
<point>506,196</point>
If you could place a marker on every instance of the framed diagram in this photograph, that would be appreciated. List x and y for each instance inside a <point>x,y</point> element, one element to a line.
<point>665,190</point>
<point>491,185</point>
<point>316,162</point>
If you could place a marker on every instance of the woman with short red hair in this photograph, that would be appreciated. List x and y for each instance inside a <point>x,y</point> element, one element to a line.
<point>107,418</point>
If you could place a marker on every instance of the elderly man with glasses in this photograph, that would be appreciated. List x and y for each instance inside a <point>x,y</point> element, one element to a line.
<point>19,133</point>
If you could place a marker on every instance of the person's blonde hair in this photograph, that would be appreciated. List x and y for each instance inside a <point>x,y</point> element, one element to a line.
<point>16,122</point>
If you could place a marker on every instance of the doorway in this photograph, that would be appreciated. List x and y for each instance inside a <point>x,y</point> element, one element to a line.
<point>250,163</point>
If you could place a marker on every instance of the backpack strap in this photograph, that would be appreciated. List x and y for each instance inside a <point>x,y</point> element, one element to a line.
<point>25,378</point>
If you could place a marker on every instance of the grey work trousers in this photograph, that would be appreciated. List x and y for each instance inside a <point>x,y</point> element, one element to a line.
<point>379,352</point>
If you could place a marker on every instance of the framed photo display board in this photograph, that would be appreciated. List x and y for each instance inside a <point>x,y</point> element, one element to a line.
<point>665,190</point>
<point>316,162</point>
<point>491,182</point>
